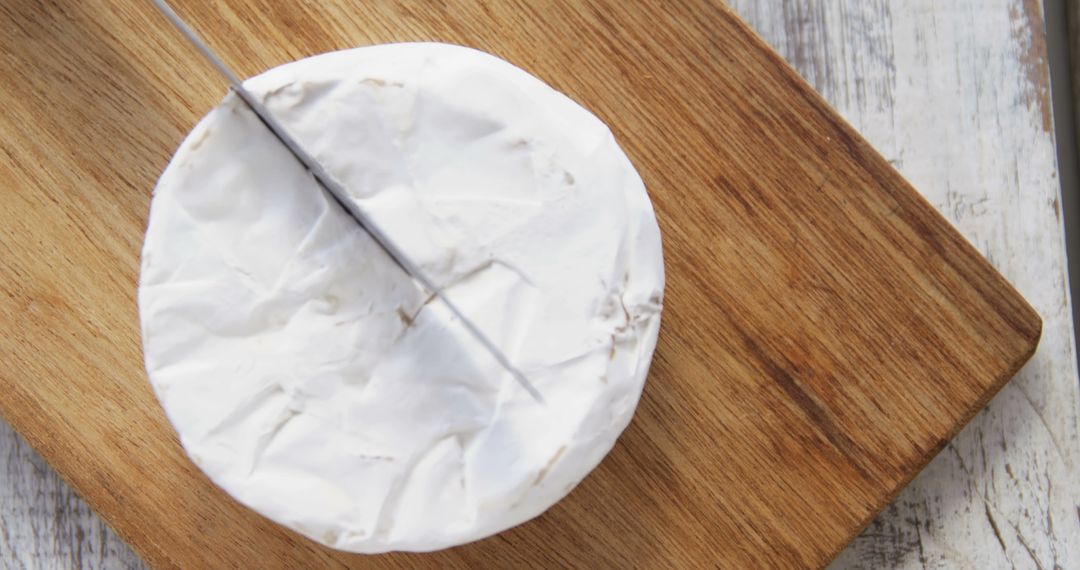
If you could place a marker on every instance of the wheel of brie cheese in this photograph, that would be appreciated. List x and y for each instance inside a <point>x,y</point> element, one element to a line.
<point>315,382</point>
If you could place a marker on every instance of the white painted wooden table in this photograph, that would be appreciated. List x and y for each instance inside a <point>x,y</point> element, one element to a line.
<point>956,95</point>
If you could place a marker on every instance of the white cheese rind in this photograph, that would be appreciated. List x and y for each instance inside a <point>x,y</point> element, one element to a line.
<point>311,379</point>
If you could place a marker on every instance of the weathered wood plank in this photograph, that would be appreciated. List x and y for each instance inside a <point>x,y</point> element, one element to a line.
<point>956,95</point>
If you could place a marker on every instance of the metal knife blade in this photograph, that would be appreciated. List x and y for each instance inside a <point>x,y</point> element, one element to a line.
<point>338,193</point>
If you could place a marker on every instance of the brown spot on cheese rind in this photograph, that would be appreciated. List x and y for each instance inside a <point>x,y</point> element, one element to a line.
<point>376,82</point>
<point>195,144</point>
<point>330,537</point>
<point>406,319</point>
<point>543,472</point>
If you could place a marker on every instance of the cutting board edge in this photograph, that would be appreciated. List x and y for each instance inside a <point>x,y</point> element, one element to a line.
<point>1031,318</point>
<point>969,414</point>
<point>37,440</point>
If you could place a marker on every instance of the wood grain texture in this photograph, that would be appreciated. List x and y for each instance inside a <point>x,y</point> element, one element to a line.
<point>959,103</point>
<point>825,332</point>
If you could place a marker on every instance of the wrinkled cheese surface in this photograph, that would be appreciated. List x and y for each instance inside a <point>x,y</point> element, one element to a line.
<point>315,382</point>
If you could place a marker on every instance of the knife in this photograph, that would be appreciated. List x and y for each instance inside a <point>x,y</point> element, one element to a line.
<point>338,193</point>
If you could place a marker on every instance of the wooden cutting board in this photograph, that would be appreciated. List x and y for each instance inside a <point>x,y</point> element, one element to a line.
<point>825,330</point>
